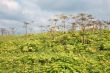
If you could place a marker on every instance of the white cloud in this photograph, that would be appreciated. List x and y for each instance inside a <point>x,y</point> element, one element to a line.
<point>9,5</point>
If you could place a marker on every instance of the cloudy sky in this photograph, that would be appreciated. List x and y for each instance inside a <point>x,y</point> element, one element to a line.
<point>14,12</point>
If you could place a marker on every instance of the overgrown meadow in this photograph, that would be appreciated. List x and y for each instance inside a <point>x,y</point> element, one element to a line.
<point>74,51</point>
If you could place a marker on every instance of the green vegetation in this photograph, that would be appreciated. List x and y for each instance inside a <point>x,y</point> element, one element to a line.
<point>66,53</point>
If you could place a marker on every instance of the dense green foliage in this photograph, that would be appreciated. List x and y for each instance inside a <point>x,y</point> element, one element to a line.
<point>65,53</point>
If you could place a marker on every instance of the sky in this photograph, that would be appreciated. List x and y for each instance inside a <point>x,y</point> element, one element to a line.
<point>13,13</point>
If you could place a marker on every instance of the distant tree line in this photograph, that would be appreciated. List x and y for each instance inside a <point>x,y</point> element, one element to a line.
<point>7,31</point>
<point>81,21</point>
<point>61,22</point>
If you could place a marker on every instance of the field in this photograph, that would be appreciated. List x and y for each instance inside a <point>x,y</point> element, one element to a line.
<point>56,53</point>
